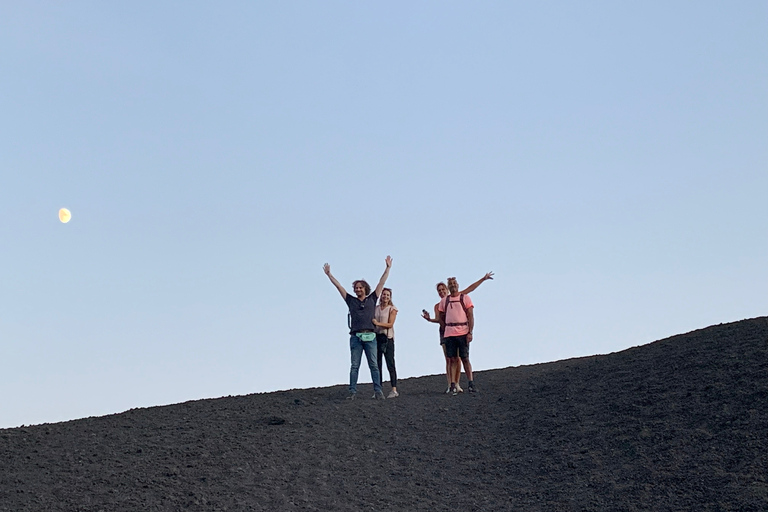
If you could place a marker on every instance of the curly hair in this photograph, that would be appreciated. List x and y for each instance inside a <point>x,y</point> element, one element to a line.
<point>366,286</point>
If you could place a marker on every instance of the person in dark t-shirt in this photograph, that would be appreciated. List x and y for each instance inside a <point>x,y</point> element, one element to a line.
<point>362,338</point>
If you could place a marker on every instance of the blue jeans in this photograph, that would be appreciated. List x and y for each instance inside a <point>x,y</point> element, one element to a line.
<point>356,347</point>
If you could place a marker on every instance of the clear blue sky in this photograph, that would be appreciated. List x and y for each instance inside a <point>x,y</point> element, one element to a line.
<point>607,160</point>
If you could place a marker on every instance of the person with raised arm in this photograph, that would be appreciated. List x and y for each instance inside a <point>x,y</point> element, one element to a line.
<point>362,338</point>
<point>452,372</point>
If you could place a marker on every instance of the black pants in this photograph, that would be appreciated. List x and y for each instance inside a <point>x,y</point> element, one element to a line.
<point>386,348</point>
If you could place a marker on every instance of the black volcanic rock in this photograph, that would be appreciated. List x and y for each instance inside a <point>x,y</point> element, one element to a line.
<point>679,424</point>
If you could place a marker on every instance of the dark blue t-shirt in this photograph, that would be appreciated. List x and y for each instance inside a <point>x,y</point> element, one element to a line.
<point>361,312</point>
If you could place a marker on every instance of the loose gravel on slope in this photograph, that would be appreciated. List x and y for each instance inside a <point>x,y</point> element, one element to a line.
<point>679,424</point>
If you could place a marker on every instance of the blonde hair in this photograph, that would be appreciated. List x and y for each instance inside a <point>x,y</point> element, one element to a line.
<point>390,296</point>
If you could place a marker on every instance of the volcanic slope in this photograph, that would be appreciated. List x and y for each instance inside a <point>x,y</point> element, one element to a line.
<point>679,424</point>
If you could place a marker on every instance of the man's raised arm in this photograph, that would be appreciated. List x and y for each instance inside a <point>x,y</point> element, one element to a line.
<point>473,286</point>
<point>384,276</point>
<point>342,291</point>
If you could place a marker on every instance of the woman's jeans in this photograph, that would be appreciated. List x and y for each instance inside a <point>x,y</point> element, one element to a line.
<point>386,348</point>
<point>356,348</point>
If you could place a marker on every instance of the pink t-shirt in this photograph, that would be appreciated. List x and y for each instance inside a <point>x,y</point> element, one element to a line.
<point>382,315</point>
<point>455,315</point>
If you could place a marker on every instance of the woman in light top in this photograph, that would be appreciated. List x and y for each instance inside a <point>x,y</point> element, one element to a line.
<point>442,291</point>
<point>384,321</point>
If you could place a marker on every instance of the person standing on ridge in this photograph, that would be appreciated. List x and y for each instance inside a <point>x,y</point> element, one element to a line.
<point>457,316</point>
<point>452,373</point>
<point>384,321</point>
<point>362,338</point>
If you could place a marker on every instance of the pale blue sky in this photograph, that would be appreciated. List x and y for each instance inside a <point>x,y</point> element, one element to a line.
<point>608,160</point>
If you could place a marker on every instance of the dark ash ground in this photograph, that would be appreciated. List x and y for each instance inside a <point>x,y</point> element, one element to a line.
<point>679,424</point>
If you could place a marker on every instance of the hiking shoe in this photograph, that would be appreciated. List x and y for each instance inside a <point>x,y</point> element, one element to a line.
<point>378,395</point>
<point>393,394</point>
<point>351,396</point>
<point>454,391</point>
<point>472,388</point>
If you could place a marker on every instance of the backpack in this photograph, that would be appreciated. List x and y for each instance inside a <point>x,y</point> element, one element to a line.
<point>464,307</point>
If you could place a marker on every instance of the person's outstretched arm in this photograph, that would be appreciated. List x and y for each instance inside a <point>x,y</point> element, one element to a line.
<point>342,291</point>
<point>425,316</point>
<point>469,289</point>
<point>384,276</point>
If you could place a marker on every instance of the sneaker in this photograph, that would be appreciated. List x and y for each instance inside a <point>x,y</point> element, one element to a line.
<point>378,395</point>
<point>448,391</point>
<point>472,388</point>
<point>352,396</point>
<point>454,391</point>
<point>393,394</point>
<point>458,388</point>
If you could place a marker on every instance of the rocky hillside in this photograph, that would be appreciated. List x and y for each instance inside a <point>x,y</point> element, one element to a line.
<point>679,424</point>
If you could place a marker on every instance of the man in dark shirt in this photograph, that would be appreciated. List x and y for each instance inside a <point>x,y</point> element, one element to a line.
<point>362,337</point>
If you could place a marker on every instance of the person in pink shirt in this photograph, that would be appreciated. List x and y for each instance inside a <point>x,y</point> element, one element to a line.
<point>452,372</point>
<point>457,315</point>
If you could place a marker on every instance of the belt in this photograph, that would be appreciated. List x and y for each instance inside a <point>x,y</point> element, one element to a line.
<point>455,325</point>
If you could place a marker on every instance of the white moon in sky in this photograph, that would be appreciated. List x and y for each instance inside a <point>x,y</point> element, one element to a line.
<point>64,215</point>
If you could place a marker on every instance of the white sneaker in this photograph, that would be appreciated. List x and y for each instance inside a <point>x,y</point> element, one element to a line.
<point>393,394</point>
<point>448,391</point>
<point>458,388</point>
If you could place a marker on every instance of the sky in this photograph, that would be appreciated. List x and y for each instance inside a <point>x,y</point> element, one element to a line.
<point>608,161</point>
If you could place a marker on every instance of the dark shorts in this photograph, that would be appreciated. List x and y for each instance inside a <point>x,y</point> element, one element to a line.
<point>456,346</point>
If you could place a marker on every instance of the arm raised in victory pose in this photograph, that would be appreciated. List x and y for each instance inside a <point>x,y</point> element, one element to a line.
<point>473,286</point>
<point>384,276</point>
<point>342,291</point>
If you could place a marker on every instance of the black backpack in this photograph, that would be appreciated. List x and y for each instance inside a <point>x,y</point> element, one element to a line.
<point>461,300</point>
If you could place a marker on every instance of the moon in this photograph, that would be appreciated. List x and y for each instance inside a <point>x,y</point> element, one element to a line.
<point>64,215</point>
